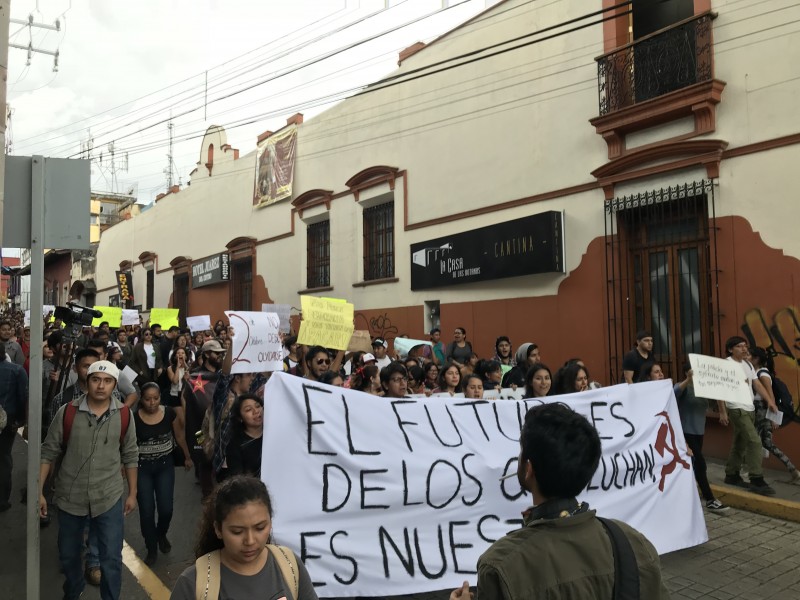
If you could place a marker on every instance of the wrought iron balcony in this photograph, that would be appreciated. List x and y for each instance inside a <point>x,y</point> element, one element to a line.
<point>657,64</point>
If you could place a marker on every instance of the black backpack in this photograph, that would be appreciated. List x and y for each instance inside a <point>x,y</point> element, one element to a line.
<point>784,400</point>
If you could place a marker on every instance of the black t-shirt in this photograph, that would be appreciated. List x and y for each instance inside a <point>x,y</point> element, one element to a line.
<point>243,455</point>
<point>633,361</point>
<point>155,441</point>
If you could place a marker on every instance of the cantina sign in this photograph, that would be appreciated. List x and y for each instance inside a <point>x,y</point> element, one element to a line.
<point>211,270</point>
<point>525,246</point>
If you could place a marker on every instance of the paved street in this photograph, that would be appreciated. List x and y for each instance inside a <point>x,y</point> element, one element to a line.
<point>748,555</point>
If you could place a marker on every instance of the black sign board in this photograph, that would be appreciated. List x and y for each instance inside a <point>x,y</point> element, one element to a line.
<point>211,270</point>
<point>525,246</point>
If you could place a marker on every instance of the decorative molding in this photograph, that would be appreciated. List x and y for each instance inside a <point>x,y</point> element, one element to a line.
<point>370,177</point>
<point>635,158</point>
<point>316,290</point>
<point>312,198</point>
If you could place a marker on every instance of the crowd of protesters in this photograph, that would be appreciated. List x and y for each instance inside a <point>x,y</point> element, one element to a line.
<point>189,410</point>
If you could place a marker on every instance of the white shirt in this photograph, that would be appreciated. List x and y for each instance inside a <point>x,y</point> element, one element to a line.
<point>750,377</point>
<point>150,353</point>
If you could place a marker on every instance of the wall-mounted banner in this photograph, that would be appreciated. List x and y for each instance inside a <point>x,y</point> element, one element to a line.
<point>378,494</point>
<point>166,317</point>
<point>256,344</point>
<point>283,311</point>
<point>275,167</point>
<point>721,379</point>
<point>130,316</point>
<point>125,287</point>
<point>199,323</point>
<point>211,270</point>
<point>523,246</point>
<point>327,322</point>
<point>112,314</point>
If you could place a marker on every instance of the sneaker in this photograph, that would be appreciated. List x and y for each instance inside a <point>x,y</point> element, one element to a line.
<point>92,575</point>
<point>717,506</point>
<point>759,486</point>
<point>150,559</point>
<point>794,477</point>
<point>164,545</point>
<point>735,480</point>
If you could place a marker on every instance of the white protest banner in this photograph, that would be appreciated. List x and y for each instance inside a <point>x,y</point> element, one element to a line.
<point>199,323</point>
<point>283,311</point>
<point>504,394</point>
<point>378,494</point>
<point>402,346</point>
<point>130,316</point>
<point>256,345</point>
<point>721,379</point>
<point>327,322</point>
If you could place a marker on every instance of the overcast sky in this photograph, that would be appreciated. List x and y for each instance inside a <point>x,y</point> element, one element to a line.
<point>116,59</point>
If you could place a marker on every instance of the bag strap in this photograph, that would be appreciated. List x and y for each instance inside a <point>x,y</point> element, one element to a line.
<point>287,562</point>
<point>69,417</point>
<point>125,421</point>
<point>626,569</point>
<point>207,580</point>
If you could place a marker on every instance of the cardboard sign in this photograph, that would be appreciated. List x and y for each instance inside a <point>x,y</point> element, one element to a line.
<point>360,341</point>
<point>130,316</point>
<point>256,344</point>
<point>166,317</point>
<point>112,314</point>
<point>283,311</point>
<point>327,322</point>
<point>199,323</point>
<point>408,492</point>
<point>721,379</point>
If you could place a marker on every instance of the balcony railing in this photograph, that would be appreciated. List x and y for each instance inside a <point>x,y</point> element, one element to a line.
<point>662,62</point>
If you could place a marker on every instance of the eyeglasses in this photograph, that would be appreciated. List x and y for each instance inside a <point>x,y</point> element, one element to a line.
<point>398,379</point>
<point>323,361</point>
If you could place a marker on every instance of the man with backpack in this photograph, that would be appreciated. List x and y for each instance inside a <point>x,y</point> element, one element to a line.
<point>95,437</point>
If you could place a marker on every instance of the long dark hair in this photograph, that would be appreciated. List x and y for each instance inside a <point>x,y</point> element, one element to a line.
<point>361,379</point>
<point>236,409</point>
<point>231,493</point>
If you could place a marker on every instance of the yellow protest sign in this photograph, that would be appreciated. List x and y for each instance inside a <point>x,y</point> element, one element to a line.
<point>326,322</point>
<point>112,314</point>
<point>166,317</point>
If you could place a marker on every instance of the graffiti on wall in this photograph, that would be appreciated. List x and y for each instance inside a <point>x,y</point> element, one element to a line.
<point>378,326</point>
<point>779,335</point>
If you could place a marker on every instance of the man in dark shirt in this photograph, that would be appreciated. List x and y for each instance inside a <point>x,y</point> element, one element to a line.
<point>634,360</point>
<point>13,400</point>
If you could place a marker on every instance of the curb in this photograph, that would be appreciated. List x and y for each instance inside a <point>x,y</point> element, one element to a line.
<point>762,505</point>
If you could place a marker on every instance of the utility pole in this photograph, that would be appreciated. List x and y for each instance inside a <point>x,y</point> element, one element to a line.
<point>5,17</point>
<point>170,171</point>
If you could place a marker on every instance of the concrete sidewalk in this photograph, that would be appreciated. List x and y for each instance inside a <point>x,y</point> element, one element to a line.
<point>784,505</point>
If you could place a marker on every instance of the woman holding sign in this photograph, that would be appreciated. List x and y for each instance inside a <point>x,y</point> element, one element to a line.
<point>234,559</point>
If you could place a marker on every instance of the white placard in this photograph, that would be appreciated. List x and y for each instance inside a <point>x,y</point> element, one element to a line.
<point>129,374</point>
<point>402,346</point>
<point>504,394</point>
<point>199,323</point>
<point>130,316</point>
<point>376,494</point>
<point>720,379</point>
<point>283,311</point>
<point>256,344</point>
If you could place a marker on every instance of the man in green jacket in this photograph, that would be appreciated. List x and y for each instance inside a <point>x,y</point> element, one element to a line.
<point>563,550</point>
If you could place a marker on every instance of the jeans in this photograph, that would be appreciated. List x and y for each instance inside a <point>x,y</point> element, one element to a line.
<point>746,446</point>
<point>109,529</point>
<point>7,436</point>
<point>155,487</point>
<point>695,443</point>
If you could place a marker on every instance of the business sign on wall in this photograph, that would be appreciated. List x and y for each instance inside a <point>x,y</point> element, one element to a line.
<point>525,246</point>
<point>211,270</point>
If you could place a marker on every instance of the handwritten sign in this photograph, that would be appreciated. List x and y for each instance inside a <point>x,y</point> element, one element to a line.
<point>256,343</point>
<point>199,323</point>
<point>166,317</point>
<point>360,341</point>
<point>283,311</point>
<point>404,345</point>
<point>721,379</point>
<point>381,494</point>
<point>326,322</point>
<point>130,316</point>
<point>112,314</point>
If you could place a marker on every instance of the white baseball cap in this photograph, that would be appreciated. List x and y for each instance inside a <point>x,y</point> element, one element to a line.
<point>103,366</point>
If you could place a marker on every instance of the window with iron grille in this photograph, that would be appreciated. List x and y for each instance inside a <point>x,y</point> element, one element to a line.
<point>318,252</point>
<point>379,241</point>
<point>242,284</point>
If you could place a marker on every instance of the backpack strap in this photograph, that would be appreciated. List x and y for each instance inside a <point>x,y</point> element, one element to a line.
<point>125,421</point>
<point>287,562</point>
<point>626,569</point>
<point>69,417</point>
<point>207,579</point>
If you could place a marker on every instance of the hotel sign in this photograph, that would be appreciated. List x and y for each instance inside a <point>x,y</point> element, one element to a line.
<point>211,270</point>
<point>525,246</point>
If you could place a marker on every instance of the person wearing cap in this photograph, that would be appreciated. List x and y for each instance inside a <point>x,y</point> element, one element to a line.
<point>379,347</point>
<point>101,440</point>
